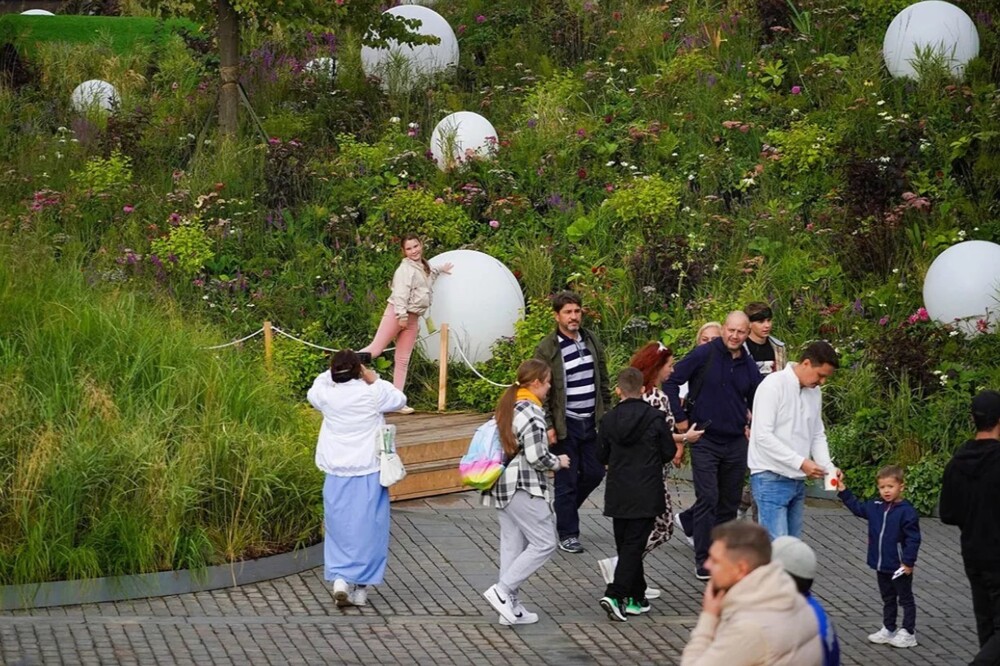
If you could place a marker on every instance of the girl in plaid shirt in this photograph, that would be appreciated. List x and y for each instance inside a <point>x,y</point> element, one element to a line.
<point>521,494</point>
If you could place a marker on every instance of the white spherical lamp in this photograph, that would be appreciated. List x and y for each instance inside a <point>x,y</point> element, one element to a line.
<point>325,67</point>
<point>930,26</point>
<point>480,301</point>
<point>461,136</point>
<point>37,12</point>
<point>94,95</point>
<point>400,66</point>
<point>963,284</point>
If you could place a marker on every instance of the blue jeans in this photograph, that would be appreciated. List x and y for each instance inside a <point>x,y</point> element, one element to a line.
<point>781,502</point>
<point>584,474</point>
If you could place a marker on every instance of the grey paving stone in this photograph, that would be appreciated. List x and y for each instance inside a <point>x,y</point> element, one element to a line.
<point>429,610</point>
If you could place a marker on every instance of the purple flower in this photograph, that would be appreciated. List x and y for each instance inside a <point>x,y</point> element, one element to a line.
<point>532,123</point>
<point>796,90</point>
<point>480,19</point>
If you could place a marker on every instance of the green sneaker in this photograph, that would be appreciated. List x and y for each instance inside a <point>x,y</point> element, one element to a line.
<point>636,606</point>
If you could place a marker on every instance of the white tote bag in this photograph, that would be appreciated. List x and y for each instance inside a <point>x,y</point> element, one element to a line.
<point>391,470</point>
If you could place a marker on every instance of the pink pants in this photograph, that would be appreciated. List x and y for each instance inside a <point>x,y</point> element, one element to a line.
<point>389,330</point>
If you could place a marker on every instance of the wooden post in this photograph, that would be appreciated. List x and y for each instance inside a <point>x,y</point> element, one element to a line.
<point>268,345</point>
<point>443,370</point>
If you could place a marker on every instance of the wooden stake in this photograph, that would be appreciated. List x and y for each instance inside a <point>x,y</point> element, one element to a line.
<point>443,370</point>
<point>268,345</point>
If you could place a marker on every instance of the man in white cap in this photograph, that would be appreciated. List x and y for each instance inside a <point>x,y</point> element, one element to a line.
<point>799,561</point>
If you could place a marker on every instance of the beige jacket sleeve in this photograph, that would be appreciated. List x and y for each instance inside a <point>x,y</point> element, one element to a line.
<point>401,285</point>
<point>740,644</point>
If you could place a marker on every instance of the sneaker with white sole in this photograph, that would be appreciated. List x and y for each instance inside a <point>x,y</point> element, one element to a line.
<point>571,545</point>
<point>607,569</point>
<point>701,573</point>
<point>521,616</point>
<point>405,410</point>
<point>636,606</point>
<point>903,639</point>
<point>359,597</point>
<point>501,603</point>
<point>680,525</point>
<point>652,593</point>
<point>341,593</point>
<point>882,636</point>
<point>614,608</point>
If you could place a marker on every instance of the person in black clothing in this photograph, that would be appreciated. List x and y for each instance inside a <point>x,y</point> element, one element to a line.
<point>970,495</point>
<point>722,379</point>
<point>635,443</point>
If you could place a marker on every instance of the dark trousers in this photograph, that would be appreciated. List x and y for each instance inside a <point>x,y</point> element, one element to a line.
<point>574,484</point>
<point>899,591</point>
<point>631,535</point>
<point>718,468</point>
<point>985,585</point>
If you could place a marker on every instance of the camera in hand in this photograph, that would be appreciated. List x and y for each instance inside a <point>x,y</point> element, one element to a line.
<point>364,358</point>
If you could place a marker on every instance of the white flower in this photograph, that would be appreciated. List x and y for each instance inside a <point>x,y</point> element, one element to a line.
<point>880,102</point>
<point>394,120</point>
<point>610,163</point>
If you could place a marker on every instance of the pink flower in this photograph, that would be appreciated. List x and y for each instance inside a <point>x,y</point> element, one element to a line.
<point>581,132</point>
<point>983,326</point>
<point>480,19</point>
<point>495,223</point>
<point>796,90</point>
<point>883,321</point>
<point>127,209</point>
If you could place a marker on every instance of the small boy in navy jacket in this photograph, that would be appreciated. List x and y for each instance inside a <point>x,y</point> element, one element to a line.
<point>893,542</point>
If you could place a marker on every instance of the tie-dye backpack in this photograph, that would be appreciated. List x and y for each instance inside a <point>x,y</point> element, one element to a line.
<point>484,462</point>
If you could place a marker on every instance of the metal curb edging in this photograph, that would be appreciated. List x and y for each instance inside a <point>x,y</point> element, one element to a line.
<point>167,583</point>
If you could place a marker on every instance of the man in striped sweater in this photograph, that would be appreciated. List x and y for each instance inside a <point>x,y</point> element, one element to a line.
<point>579,395</point>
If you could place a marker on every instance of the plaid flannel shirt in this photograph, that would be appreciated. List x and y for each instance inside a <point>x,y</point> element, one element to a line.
<point>527,470</point>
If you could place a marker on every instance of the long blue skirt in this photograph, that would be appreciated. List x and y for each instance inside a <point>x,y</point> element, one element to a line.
<point>356,522</point>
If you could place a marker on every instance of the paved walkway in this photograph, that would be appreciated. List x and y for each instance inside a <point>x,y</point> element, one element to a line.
<point>430,610</point>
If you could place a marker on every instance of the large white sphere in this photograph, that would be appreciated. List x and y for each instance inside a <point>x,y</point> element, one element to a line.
<point>37,12</point>
<point>94,94</point>
<point>462,135</point>
<point>322,67</point>
<point>401,66</point>
<point>480,301</point>
<point>964,283</point>
<point>930,25</point>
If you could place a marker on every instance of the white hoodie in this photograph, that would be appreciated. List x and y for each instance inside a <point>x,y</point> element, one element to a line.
<point>352,422</point>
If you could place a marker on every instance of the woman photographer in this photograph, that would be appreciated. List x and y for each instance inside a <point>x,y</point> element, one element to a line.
<point>353,400</point>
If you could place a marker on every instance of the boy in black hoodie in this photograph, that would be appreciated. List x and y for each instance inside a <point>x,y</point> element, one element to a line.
<point>970,495</point>
<point>635,443</point>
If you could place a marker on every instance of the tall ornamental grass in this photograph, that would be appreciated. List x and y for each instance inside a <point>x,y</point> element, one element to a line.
<point>125,446</point>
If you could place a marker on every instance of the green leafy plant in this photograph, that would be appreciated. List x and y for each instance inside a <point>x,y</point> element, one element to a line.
<point>185,249</point>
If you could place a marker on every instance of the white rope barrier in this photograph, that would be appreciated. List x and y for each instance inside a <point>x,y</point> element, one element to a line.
<point>277,330</point>
<point>476,372</point>
<point>236,342</point>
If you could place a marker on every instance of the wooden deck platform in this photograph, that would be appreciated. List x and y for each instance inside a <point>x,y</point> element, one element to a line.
<point>431,444</point>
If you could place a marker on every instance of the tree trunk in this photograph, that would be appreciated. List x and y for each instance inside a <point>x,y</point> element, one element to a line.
<point>229,58</point>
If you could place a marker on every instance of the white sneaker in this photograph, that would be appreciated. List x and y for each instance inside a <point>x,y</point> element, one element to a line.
<point>679,525</point>
<point>903,639</point>
<point>522,616</point>
<point>341,593</point>
<point>501,603</point>
<point>607,567</point>
<point>652,593</point>
<point>359,597</point>
<point>405,410</point>
<point>882,636</point>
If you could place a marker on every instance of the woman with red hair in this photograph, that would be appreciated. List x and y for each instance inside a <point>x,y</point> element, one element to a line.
<point>656,362</point>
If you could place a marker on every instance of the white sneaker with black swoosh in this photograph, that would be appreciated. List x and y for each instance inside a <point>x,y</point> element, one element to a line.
<point>501,603</point>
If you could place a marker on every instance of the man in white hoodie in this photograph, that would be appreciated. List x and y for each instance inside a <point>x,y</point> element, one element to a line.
<point>752,613</point>
<point>787,439</point>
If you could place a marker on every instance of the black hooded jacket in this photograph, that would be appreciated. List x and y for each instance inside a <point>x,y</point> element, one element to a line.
<point>970,498</point>
<point>635,443</point>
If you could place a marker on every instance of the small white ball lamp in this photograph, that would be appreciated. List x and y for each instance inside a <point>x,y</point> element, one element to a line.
<point>480,301</point>
<point>931,24</point>
<point>963,286</point>
<point>94,94</point>
<point>460,136</point>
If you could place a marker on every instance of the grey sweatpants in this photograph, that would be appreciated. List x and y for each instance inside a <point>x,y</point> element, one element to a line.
<point>527,539</point>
